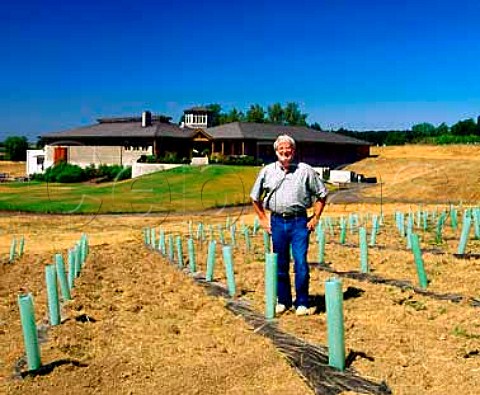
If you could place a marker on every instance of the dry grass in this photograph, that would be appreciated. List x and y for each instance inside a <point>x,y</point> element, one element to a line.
<point>13,169</point>
<point>156,331</point>
<point>428,174</point>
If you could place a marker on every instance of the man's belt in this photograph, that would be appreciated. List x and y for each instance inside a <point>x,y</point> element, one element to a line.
<point>290,215</point>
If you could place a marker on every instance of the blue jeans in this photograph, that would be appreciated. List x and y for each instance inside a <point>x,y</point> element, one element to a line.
<point>294,232</point>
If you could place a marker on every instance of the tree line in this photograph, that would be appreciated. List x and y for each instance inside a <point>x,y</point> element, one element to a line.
<point>463,132</point>
<point>289,115</point>
<point>15,148</point>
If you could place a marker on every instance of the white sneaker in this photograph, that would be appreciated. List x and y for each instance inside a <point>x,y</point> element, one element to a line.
<point>280,308</point>
<point>302,310</point>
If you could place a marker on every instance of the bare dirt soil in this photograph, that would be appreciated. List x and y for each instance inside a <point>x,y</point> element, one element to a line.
<point>137,324</point>
<point>151,328</point>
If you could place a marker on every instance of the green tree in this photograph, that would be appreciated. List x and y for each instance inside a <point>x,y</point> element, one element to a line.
<point>467,127</point>
<point>256,113</point>
<point>16,148</point>
<point>423,129</point>
<point>216,113</point>
<point>443,129</point>
<point>293,115</point>
<point>275,114</point>
<point>234,116</point>
<point>316,126</point>
<point>396,138</point>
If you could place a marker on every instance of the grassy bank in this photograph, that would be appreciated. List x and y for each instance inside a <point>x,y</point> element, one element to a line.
<point>182,189</point>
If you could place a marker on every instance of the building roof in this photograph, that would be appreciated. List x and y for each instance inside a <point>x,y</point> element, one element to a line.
<point>122,130</point>
<point>269,132</point>
<point>201,110</point>
<point>235,130</point>
<point>153,118</point>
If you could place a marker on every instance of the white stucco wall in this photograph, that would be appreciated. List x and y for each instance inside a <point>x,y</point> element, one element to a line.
<point>32,165</point>
<point>340,176</point>
<point>140,169</point>
<point>84,155</point>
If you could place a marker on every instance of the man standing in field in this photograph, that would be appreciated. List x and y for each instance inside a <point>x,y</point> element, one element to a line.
<point>287,189</point>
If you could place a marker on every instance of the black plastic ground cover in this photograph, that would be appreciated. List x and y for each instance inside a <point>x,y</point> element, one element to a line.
<point>402,284</point>
<point>467,256</point>
<point>309,360</point>
<point>381,247</point>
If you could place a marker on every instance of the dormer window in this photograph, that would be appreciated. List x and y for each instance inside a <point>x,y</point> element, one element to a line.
<point>198,117</point>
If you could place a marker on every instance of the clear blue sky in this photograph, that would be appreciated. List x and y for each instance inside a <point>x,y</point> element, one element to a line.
<point>348,63</point>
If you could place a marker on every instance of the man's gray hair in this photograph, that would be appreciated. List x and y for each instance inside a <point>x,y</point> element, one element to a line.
<point>284,138</point>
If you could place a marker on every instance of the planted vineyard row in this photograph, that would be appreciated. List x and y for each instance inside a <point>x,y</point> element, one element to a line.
<point>370,245</point>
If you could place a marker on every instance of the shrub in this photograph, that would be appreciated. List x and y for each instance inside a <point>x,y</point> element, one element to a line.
<point>64,172</point>
<point>125,174</point>
<point>241,160</point>
<point>91,172</point>
<point>452,139</point>
<point>68,173</point>
<point>37,177</point>
<point>71,173</point>
<point>114,172</point>
<point>151,159</point>
<point>217,158</point>
<point>169,157</point>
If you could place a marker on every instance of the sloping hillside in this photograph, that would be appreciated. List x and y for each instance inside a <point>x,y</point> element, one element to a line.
<point>413,173</point>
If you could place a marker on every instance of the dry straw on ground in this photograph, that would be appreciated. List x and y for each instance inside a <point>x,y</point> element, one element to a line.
<point>139,325</point>
<point>154,328</point>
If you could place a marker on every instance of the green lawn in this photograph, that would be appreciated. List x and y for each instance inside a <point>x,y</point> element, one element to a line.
<point>181,189</point>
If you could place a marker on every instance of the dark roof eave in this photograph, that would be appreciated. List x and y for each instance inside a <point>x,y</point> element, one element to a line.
<point>297,140</point>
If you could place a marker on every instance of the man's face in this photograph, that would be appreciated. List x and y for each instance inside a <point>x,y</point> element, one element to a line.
<point>285,152</point>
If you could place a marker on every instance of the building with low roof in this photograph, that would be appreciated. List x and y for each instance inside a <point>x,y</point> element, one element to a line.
<point>124,140</point>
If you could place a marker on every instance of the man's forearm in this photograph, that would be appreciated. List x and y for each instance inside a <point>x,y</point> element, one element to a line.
<point>262,215</point>
<point>259,210</point>
<point>318,207</point>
